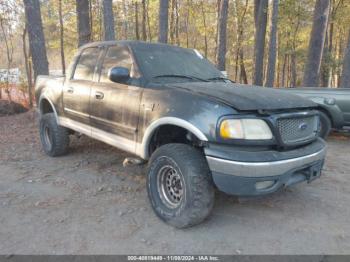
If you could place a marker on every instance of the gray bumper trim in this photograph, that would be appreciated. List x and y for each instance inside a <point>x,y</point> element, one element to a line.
<point>262,169</point>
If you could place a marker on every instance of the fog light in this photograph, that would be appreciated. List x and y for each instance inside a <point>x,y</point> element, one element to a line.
<point>264,184</point>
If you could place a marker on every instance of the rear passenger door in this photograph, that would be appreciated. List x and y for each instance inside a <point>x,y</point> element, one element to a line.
<point>76,92</point>
<point>115,106</point>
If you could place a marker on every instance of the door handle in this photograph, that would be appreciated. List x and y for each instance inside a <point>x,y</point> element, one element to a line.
<point>99,95</point>
<point>70,90</point>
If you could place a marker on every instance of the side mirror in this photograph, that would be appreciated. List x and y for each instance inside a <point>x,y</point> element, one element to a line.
<point>119,74</point>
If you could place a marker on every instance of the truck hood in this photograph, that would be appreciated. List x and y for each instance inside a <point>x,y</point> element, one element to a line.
<point>246,97</point>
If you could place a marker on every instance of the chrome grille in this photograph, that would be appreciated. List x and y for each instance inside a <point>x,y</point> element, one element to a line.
<point>297,129</point>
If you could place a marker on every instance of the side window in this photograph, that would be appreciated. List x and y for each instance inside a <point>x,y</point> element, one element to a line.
<point>115,56</point>
<point>86,65</point>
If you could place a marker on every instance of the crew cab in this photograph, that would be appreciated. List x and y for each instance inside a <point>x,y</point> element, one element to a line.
<point>197,130</point>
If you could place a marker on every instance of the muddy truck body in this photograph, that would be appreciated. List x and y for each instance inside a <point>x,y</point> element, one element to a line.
<point>197,130</point>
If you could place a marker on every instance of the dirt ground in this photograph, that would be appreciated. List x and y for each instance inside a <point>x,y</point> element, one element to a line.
<point>88,203</point>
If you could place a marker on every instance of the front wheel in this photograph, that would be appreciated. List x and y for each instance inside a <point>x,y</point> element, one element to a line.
<point>179,185</point>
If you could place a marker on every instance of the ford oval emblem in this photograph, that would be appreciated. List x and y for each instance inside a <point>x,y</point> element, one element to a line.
<point>303,126</point>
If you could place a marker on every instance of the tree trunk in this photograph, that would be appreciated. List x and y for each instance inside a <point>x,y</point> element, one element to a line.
<point>221,52</point>
<point>28,72</point>
<point>172,22</point>
<point>187,23</point>
<point>91,21</point>
<point>239,39</point>
<point>218,4</point>
<point>294,54</point>
<point>125,20</point>
<point>100,22</point>
<point>341,54</point>
<point>144,17</point>
<point>108,20</point>
<point>83,22</point>
<point>316,45</point>
<point>148,24</point>
<point>163,21</point>
<point>47,4</point>
<point>137,31</point>
<point>289,72</point>
<point>278,66</point>
<point>36,37</point>
<point>177,36</point>
<point>345,79</point>
<point>63,62</point>
<point>327,70</point>
<point>284,70</point>
<point>238,46</point>
<point>242,67</point>
<point>260,33</point>
<point>256,12</point>
<point>325,64</point>
<point>270,78</point>
<point>326,55</point>
<point>9,56</point>
<point>294,69</point>
<point>205,30</point>
<point>331,33</point>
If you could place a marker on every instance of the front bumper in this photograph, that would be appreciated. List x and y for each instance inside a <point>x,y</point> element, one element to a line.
<point>246,178</point>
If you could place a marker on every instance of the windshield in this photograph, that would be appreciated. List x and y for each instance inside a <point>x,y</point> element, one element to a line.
<point>173,64</point>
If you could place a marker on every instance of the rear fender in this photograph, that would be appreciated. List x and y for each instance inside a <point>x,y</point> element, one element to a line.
<point>42,98</point>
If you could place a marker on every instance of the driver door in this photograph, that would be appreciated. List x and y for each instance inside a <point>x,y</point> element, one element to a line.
<point>114,107</point>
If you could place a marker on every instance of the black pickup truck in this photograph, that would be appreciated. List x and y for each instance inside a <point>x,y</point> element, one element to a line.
<point>197,130</point>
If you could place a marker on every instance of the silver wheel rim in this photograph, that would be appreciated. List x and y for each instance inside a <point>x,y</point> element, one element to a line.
<point>47,137</point>
<point>170,186</point>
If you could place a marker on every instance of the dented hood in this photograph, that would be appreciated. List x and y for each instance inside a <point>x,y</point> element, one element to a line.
<point>245,97</point>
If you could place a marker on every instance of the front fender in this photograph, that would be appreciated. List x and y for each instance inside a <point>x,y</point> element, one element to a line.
<point>142,149</point>
<point>168,106</point>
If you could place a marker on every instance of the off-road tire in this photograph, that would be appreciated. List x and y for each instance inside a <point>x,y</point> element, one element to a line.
<point>325,125</point>
<point>198,191</point>
<point>54,138</point>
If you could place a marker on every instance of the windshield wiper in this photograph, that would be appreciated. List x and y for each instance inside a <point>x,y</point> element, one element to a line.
<point>182,76</point>
<point>220,78</point>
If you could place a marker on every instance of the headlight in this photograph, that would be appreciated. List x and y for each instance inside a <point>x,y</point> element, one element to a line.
<point>250,129</point>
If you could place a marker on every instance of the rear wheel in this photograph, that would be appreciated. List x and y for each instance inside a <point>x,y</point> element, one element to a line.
<point>325,125</point>
<point>179,185</point>
<point>54,138</point>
